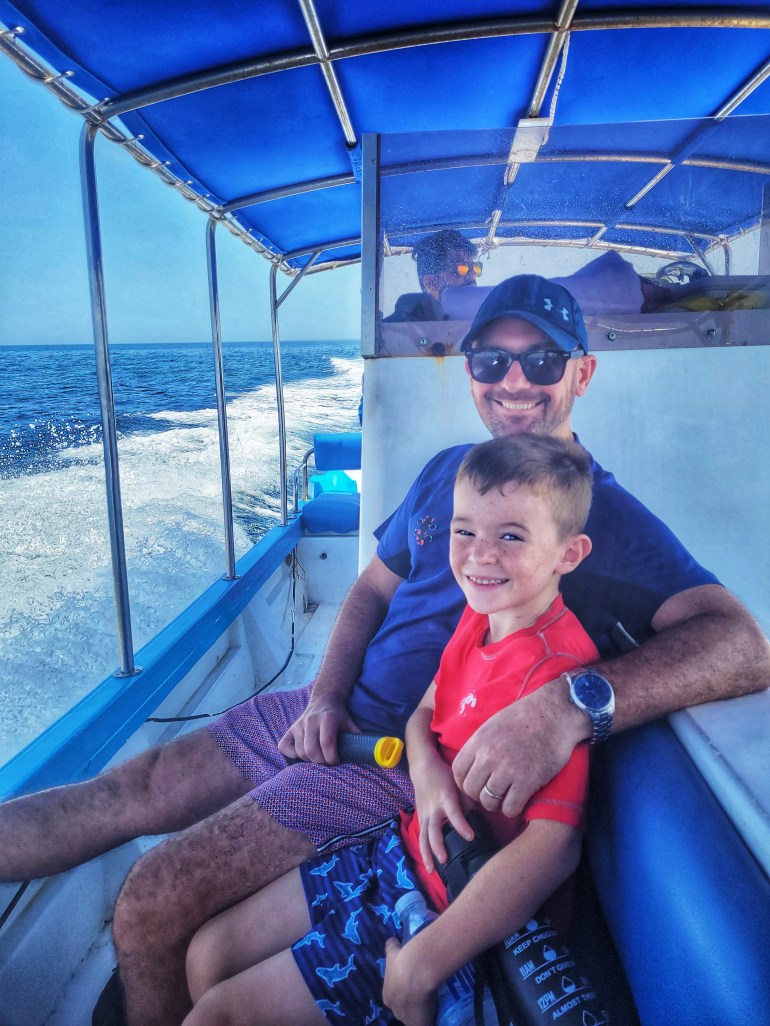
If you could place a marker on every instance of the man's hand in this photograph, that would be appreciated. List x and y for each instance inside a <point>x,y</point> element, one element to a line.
<point>518,750</point>
<point>313,736</point>
<point>402,991</point>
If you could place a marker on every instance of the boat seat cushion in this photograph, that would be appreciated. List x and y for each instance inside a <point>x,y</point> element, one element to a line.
<point>332,513</point>
<point>337,450</point>
<point>686,903</point>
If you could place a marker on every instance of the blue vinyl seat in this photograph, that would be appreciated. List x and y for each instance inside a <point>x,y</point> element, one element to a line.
<point>331,502</point>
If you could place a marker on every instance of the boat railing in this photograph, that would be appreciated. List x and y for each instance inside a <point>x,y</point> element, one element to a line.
<point>86,737</point>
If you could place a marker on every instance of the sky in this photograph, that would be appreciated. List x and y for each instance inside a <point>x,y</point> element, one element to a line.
<point>155,280</point>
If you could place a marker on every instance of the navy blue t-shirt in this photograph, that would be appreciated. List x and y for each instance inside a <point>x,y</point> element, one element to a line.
<point>636,564</point>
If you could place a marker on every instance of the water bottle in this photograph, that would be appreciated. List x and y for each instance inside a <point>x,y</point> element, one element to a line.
<point>455,996</point>
<point>538,980</point>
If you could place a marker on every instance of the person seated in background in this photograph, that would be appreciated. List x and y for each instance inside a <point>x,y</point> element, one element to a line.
<point>443,259</point>
<point>320,933</point>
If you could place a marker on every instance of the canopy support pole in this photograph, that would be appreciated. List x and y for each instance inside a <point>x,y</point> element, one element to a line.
<point>275,302</point>
<point>224,442</point>
<point>106,399</point>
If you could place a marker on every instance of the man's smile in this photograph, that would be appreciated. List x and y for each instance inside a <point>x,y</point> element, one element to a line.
<point>509,404</point>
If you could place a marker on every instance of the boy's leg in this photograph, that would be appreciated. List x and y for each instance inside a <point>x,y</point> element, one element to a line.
<point>163,789</point>
<point>273,993</point>
<point>248,933</point>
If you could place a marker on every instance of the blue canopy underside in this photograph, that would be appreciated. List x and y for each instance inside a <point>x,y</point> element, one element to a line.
<point>278,129</point>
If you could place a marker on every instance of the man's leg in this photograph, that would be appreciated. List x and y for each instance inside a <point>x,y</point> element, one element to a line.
<point>179,885</point>
<point>189,878</point>
<point>163,789</point>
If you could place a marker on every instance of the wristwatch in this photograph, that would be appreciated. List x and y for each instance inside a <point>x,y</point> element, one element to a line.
<point>592,693</point>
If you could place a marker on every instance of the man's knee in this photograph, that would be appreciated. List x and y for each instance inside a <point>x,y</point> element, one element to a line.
<point>181,782</point>
<point>186,879</point>
<point>148,911</point>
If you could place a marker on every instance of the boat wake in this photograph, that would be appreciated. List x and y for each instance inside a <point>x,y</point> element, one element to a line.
<point>57,619</point>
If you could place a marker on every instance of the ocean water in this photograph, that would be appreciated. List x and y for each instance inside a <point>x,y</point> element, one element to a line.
<point>57,619</point>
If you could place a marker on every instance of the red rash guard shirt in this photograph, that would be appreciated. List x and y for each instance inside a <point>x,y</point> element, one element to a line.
<point>474,681</point>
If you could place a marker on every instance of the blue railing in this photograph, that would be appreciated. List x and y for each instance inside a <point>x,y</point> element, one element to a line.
<point>86,737</point>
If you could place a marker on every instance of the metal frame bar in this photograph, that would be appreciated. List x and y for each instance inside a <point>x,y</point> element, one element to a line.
<point>298,189</point>
<point>486,160</point>
<point>756,80</point>
<point>219,377</point>
<point>555,46</point>
<point>736,18</point>
<point>282,463</point>
<point>275,303</point>
<point>321,50</point>
<point>370,237</point>
<point>319,247</point>
<point>106,399</point>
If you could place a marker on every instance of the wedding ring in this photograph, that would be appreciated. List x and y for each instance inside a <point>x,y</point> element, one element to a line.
<point>491,794</point>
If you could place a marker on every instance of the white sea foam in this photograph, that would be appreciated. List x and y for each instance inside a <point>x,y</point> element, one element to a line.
<point>57,619</point>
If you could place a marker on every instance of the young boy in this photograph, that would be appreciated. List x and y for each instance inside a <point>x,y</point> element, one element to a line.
<point>315,945</point>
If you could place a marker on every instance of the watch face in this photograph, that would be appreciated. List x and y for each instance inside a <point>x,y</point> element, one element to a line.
<point>592,690</point>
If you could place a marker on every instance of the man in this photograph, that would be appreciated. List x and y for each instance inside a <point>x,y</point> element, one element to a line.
<point>443,259</point>
<point>527,363</point>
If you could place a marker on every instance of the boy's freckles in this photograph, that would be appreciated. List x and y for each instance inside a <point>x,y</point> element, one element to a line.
<point>504,551</point>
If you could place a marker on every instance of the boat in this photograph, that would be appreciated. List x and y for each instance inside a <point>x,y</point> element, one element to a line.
<point>624,149</point>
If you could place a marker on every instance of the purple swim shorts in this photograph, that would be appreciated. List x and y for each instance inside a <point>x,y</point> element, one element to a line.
<point>331,804</point>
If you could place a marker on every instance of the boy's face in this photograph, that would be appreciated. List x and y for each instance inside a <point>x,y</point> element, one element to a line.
<point>506,553</point>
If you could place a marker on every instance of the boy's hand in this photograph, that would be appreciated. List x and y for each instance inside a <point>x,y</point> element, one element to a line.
<point>402,991</point>
<point>313,736</point>
<point>437,801</point>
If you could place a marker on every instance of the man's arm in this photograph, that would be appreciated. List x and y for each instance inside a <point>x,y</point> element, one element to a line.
<point>505,892</point>
<point>314,735</point>
<point>708,647</point>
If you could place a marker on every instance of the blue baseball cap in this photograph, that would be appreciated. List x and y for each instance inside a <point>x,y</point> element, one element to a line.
<point>541,302</point>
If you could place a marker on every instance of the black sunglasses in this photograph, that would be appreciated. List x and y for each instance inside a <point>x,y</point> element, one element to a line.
<point>539,366</point>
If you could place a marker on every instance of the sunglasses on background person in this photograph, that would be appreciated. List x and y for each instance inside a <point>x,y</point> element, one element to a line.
<point>467,268</point>
<point>539,366</point>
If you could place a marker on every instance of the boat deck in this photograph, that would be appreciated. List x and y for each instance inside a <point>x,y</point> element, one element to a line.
<point>73,980</point>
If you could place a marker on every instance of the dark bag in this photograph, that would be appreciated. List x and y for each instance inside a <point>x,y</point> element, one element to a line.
<point>531,974</point>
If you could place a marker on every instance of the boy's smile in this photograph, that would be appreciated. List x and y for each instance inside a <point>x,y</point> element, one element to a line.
<point>506,554</point>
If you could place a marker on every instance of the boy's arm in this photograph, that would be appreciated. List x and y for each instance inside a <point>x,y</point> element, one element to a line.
<point>436,796</point>
<point>503,895</point>
<point>708,647</point>
<point>314,735</point>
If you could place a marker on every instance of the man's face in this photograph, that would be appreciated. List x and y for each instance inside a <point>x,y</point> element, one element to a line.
<point>515,404</point>
<point>434,284</point>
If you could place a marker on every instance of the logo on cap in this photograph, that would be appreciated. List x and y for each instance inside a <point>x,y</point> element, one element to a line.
<point>541,302</point>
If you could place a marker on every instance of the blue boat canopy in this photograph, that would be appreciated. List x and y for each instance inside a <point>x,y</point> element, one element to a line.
<point>256,112</point>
